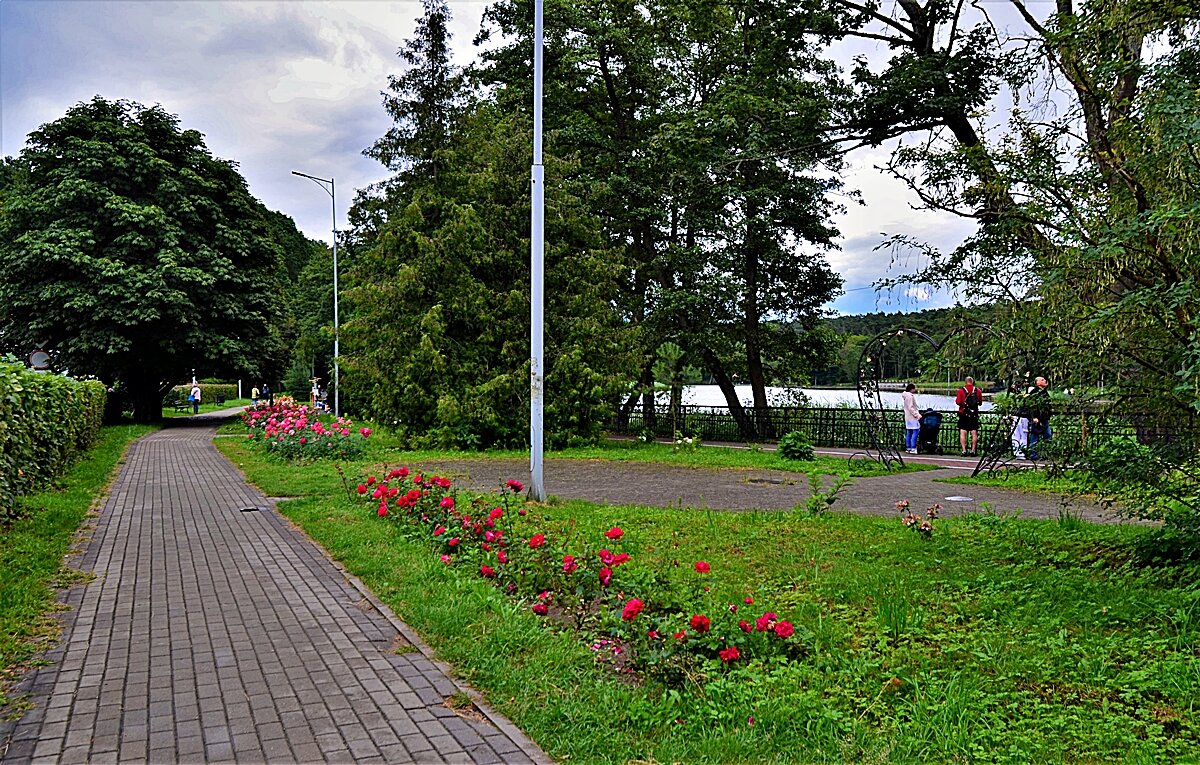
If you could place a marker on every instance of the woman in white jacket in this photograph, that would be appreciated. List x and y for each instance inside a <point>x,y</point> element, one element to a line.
<point>912,418</point>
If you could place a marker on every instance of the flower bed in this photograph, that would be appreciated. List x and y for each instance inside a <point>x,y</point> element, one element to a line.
<point>667,625</point>
<point>294,432</point>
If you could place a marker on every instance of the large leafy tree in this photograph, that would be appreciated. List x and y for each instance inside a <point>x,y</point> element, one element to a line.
<point>133,254</point>
<point>1083,200</point>
<point>437,344</point>
<point>687,115</point>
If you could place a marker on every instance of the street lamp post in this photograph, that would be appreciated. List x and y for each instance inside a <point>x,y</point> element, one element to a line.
<point>537,388</point>
<point>331,190</point>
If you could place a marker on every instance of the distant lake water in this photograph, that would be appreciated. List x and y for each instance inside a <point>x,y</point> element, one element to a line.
<point>711,395</point>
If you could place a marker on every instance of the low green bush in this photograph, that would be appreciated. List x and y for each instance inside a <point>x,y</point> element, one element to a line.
<point>208,393</point>
<point>796,446</point>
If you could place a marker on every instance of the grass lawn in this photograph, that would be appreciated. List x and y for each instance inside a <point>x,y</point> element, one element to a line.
<point>205,406</point>
<point>1026,479</point>
<point>632,451</point>
<point>996,640</point>
<point>32,550</point>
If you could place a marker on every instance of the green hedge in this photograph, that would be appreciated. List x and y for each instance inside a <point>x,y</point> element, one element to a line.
<point>208,393</point>
<point>46,423</point>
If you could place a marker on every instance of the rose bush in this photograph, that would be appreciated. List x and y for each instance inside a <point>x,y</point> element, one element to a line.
<point>666,624</point>
<point>294,431</point>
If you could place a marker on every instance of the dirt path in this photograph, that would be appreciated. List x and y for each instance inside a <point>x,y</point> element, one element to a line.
<point>658,485</point>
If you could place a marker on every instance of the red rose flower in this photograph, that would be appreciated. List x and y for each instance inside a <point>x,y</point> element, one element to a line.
<point>362,488</point>
<point>569,564</point>
<point>606,557</point>
<point>502,556</point>
<point>619,558</point>
<point>516,486</point>
<point>439,531</point>
<point>370,480</point>
<point>536,541</point>
<point>382,510</point>
<point>402,472</point>
<point>614,533</point>
<point>681,634</point>
<point>730,654</point>
<point>540,609</point>
<point>745,625</point>
<point>702,566</point>
<point>764,622</point>
<point>605,576</point>
<point>631,610</point>
<point>487,571</point>
<point>784,629</point>
<point>453,542</point>
<point>447,503</point>
<point>701,623</point>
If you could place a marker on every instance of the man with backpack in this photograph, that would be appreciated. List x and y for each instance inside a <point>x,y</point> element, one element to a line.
<point>968,399</point>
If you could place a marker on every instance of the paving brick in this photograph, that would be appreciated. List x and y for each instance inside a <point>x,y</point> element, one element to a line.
<point>211,634</point>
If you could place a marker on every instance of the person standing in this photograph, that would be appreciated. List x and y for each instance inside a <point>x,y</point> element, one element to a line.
<point>269,395</point>
<point>912,418</point>
<point>194,397</point>
<point>968,399</point>
<point>1039,412</point>
<point>254,396</point>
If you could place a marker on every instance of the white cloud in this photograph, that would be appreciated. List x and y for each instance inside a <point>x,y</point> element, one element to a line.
<point>282,86</point>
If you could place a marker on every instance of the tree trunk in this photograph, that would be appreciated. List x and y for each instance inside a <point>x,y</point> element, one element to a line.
<point>745,426</point>
<point>146,396</point>
<point>750,321</point>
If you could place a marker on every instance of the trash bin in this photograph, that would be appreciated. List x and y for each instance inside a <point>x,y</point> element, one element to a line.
<point>927,436</point>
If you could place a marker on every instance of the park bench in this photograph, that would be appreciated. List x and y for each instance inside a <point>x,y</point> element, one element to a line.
<point>182,406</point>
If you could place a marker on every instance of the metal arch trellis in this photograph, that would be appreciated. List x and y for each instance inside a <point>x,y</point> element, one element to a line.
<point>996,443</point>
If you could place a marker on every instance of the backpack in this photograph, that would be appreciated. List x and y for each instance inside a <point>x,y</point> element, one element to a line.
<point>971,400</point>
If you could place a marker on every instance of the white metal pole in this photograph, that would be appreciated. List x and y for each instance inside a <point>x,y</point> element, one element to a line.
<point>337,380</point>
<point>332,192</point>
<point>537,487</point>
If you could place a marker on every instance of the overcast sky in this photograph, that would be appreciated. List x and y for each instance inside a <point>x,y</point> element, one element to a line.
<point>282,86</point>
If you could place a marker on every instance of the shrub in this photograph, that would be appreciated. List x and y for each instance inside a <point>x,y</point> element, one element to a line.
<point>295,432</point>
<point>208,393</point>
<point>796,446</point>
<point>46,423</point>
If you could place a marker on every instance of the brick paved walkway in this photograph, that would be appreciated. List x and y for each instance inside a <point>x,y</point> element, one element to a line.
<point>214,634</point>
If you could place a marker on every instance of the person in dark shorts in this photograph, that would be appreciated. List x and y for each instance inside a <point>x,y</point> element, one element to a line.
<point>1038,406</point>
<point>968,399</point>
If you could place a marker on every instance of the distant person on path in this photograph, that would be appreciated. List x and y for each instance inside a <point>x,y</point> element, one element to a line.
<point>1038,408</point>
<point>1020,433</point>
<point>194,397</point>
<point>968,399</point>
<point>912,418</point>
<point>269,394</point>
<point>254,395</point>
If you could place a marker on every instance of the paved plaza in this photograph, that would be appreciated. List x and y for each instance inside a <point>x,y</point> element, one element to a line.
<point>215,632</point>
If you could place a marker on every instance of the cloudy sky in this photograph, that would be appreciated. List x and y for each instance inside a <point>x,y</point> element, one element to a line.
<point>282,86</point>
